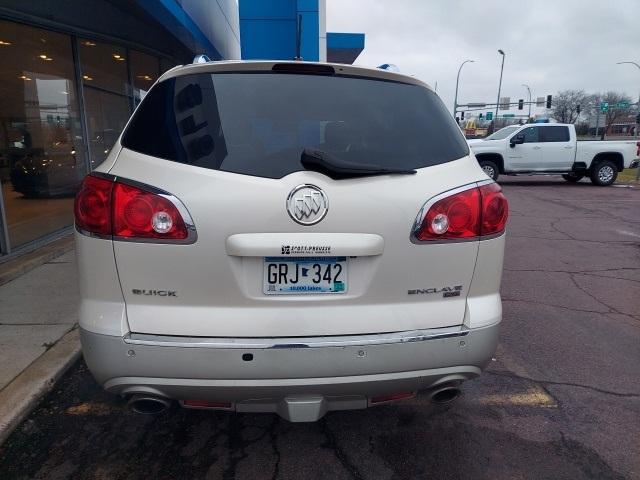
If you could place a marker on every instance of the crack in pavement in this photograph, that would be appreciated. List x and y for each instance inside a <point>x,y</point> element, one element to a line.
<point>332,444</point>
<point>573,309</point>
<point>590,295</point>
<point>586,211</point>
<point>574,239</point>
<point>567,271</point>
<point>566,384</point>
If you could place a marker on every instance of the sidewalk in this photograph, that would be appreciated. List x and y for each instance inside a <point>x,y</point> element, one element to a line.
<point>38,309</point>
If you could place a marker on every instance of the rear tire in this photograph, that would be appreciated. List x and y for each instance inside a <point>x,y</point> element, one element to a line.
<point>572,177</point>
<point>490,168</point>
<point>604,173</point>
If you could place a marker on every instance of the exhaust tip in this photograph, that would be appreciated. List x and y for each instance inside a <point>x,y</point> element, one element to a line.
<point>445,395</point>
<point>148,405</point>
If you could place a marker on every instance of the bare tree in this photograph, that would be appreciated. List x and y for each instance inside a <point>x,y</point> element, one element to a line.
<point>565,105</point>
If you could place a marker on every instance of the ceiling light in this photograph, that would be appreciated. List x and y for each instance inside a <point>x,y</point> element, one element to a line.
<point>43,56</point>
<point>3,42</point>
<point>145,77</point>
<point>88,43</point>
<point>87,77</point>
<point>24,77</point>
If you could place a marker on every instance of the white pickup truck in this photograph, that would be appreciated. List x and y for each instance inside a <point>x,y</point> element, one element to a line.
<point>553,148</point>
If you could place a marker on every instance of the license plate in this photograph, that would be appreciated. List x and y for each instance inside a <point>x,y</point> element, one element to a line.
<point>312,275</point>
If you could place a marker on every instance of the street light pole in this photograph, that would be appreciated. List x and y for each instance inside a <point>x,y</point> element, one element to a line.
<point>528,90</point>
<point>455,100</point>
<point>500,83</point>
<point>638,126</point>
<point>631,63</point>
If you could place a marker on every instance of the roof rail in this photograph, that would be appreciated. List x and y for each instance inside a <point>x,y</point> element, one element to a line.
<point>201,59</point>
<point>390,67</point>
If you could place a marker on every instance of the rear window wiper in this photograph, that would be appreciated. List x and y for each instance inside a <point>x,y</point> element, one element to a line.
<point>323,162</point>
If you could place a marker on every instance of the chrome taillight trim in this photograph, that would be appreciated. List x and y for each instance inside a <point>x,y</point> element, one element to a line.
<point>429,203</point>
<point>192,234</point>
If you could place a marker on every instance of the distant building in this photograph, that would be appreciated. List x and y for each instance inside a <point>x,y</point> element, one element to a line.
<point>271,30</point>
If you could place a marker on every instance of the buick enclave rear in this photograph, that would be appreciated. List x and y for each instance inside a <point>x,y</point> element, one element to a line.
<point>288,237</point>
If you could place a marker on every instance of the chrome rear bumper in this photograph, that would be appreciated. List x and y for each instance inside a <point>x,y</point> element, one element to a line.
<point>272,374</point>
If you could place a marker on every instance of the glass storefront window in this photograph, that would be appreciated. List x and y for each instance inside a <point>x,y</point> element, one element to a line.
<point>106,95</point>
<point>41,146</point>
<point>104,66</point>
<point>144,71</point>
<point>107,114</point>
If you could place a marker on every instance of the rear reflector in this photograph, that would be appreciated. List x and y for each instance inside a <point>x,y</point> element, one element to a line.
<point>206,404</point>
<point>392,397</point>
<point>112,208</point>
<point>467,214</point>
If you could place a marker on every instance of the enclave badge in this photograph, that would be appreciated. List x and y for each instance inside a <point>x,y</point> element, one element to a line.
<point>307,204</point>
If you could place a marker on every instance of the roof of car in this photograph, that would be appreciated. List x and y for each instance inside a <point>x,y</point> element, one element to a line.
<point>267,65</point>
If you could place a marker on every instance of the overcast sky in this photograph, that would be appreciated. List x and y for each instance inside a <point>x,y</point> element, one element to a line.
<point>550,45</point>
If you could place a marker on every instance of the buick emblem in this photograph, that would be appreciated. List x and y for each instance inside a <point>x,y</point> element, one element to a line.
<point>307,204</point>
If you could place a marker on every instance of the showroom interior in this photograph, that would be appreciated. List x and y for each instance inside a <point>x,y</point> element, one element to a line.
<point>69,81</point>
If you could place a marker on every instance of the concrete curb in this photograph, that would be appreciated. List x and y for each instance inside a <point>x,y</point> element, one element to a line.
<point>12,269</point>
<point>25,391</point>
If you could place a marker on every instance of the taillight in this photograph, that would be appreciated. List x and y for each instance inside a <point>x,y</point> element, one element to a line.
<point>141,214</point>
<point>92,207</point>
<point>123,211</point>
<point>638,150</point>
<point>456,216</point>
<point>495,210</point>
<point>467,214</point>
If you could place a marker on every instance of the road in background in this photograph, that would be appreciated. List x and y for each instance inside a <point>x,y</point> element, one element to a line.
<point>561,400</point>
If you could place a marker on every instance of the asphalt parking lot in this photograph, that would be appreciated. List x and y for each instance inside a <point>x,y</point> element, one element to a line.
<point>561,400</point>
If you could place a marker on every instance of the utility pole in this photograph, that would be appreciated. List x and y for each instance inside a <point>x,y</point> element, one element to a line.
<point>455,100</point>
<point>528,90</point>
<point>501,52</point>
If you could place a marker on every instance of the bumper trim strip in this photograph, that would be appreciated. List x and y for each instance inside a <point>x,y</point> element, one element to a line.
<point>292,342</point>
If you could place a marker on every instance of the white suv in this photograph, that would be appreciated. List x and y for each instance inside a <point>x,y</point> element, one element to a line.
<point>288,237</point>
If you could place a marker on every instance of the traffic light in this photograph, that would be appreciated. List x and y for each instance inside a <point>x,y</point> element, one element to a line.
<point>462,115</point>
<point>457,119</point>
<point>549,98</point>
<point>480,117</point>
<point>578,109</point>
<point>638,119</point>
<point>520,104</point>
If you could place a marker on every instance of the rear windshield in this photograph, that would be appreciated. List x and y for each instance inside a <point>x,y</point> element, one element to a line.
<point>259,123</point>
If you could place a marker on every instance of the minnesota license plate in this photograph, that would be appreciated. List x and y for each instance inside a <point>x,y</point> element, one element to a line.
<point>312,275</point>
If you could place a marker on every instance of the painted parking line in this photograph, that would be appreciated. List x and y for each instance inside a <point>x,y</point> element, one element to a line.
<point>532,397</point>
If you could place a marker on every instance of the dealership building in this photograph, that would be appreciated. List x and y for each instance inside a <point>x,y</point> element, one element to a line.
<point>71,74</point>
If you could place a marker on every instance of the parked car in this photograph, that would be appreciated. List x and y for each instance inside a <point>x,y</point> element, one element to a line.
<point>288,237</point>
<point>553,148</point>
